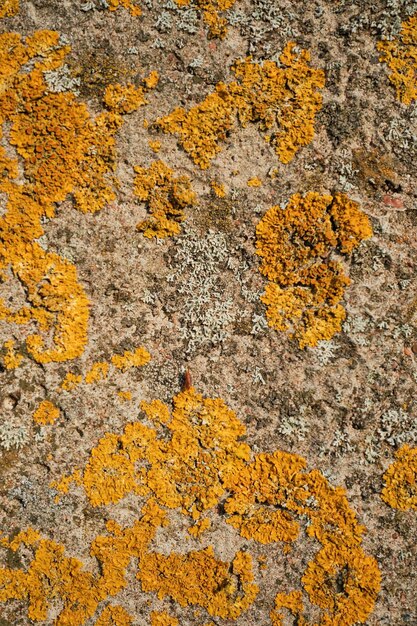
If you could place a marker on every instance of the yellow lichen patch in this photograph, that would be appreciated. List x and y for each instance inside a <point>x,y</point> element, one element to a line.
<point>11,358</point>
<point>125,395</point>
<point>400,55</point>
<point>128,359</point>
<point>166,197</point>
<point>283,99</point>
<point>62,150</point>
<point>400,490</point>
<point>218,189</point>
<point>151,80</point>
<point>204,126</point>
<point>259,491</point>
<point>155,146</point>
<point>97,372</point>
<point>46,413</point>
<point>124,98</point>
<point>211,8</point>
<point>162,618</point>
<point>266,498</point>
<point>9,8</point>
<point>52,576</point>
<point>100,370</point>
<point>254,182</point>
<point>360,578</point>
<point>71,381</point>
<point>186,470</point>
<point>293,602</point>
<point>224,590</point>
<point>114,616</point>
<point>199,527</point>
<point>189,458</point>
<point>132,6</point>
<point>306,286</point>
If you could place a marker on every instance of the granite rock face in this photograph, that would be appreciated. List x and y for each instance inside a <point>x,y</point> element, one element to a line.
<point>208,312</point>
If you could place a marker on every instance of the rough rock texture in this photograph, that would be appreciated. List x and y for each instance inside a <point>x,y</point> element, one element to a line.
<point>126,497</point>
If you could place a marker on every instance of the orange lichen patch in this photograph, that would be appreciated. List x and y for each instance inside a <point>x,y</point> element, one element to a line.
<point>204,126</point>
<point>401,57</point>
<point>189,458</point>
<point>155,146</point>
<point>161,618</point>
<point>125,395</point>
<point>211,8</point>
<point>291,89</point>
<point>218,189</point>
<point>276,484</point>
<point>259,491</point>
<point>131,5</point>
<point>63,150</point>
<point>71,381</point>
<point>223,589</point>
<point>124,98</point>
<point>128,359</point>
<point>151,80</point>
<point>400,490</point>
<point>11,358</point>
<point>199,527</point>
<point>283,99</point>
<point>114,616</point>
<point>46,413</point>
<point>97,372</point>
<point>166,197</point>
<point>185,470</point>
<point>306,286</point>
<point>100,370</point>
<point>189,469</point>
<point>9,8</point>
<point>52,575</point>
<point>359,575</point>
<point>293,602</point>
<point>254,182</point>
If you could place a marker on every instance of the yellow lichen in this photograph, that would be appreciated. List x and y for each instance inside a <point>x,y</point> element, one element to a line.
<point>114,616</point>
<point>124,98</point>
<point>139,357</point>
<point>63,151</point>
<point>9,8</point>
<point>218,189</point>
<point>71,381</point>
<point>11,358</point>
<point>211,8</point>
<point>400,490</point>
<point>166,197</point>
<point>162,618</point>
<point>132,6</point>
<point>268,495</point>
<point>46,413</point>
<point>125,395</point>
<point>100,369</point>
<point>155,146</point>
<point>225,590</point>
<point>52,575</point>
<point>192,458</point>
<point>199,527</point>
<point>293,602</point>
<point>400,55</point>
<point>97,372</point>
<point>152,80</point>
<point>184,470</point>
<point>283,99</point>
<point>254,182</point>
<point>306,286</point>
